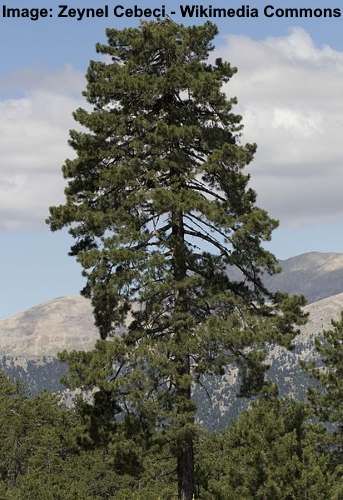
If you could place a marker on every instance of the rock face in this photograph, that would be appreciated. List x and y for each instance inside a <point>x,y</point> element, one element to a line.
<point>46,329</point>
<point>224,405</point>
<point>315,275</point>
<point>30,341</point>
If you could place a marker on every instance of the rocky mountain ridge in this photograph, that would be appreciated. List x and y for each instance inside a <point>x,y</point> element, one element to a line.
<point>315,275</point>
<point>67,322</point>
<point>46,329</point>
<point>30,340</point>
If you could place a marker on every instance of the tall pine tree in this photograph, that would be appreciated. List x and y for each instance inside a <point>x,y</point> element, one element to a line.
<point>160,207</point>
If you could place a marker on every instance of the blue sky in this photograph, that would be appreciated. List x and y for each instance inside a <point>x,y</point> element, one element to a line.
<point>290,71</point>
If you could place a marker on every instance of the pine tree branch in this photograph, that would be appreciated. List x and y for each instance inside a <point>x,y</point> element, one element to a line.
<point>208,224</point>
<point>114,377</point>
<point>206,237</point>
<point>208,191</point>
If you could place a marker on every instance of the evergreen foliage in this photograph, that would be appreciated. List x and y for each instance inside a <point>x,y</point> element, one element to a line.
<point>327,397</point>
<point>159,206</point>
<point>48,452</point>
<point>35,436</point>
<point>270,452</point>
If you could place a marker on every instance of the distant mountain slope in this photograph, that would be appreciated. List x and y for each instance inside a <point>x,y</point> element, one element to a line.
<point>284,368</point>
<point>315,275</point>
<point>46,329</point>
<point>67,323</point>
<point>321,313</point>
<point>30,340</point>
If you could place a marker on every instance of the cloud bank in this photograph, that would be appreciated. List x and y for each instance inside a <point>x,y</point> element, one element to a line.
<point>33,143</point>
<point>290,96</point>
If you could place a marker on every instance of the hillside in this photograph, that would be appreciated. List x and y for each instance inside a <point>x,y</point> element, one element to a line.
<point>315,275</point>
<point>30,341</point>
<point>67,322</point>
<point>284,368</point>
<point>46,329</point>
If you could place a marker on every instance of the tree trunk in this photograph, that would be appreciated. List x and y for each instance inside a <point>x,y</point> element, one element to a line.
<point>184,453</point>
<point>185,470</point>
<point>185,458</point>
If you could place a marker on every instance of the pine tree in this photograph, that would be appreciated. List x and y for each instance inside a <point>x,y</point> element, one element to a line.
<point>269,452</point>
<point>159,207</point>
<point>36,435</point>
<point>327,397</point>
<point>46,452</point>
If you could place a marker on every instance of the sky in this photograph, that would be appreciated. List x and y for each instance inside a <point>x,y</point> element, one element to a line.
<point>289,87</point>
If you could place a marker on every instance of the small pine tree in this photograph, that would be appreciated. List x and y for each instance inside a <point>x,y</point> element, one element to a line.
<point>159,207</point>
<point>47,453</point>
<point>270,452</point>
<point>327,397</point>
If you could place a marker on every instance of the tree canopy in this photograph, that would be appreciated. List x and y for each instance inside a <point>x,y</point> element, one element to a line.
<point>159,205</point>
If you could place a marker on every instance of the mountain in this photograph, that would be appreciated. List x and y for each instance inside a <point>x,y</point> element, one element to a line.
<point>67,322</point>
<point>224,405</point>
<point>30,340</point>
<point>46,329</point>
<point>315,275</point>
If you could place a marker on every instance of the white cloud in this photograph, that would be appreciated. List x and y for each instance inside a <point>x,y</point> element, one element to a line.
<point>290,96</point>
<point>33,143</point>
